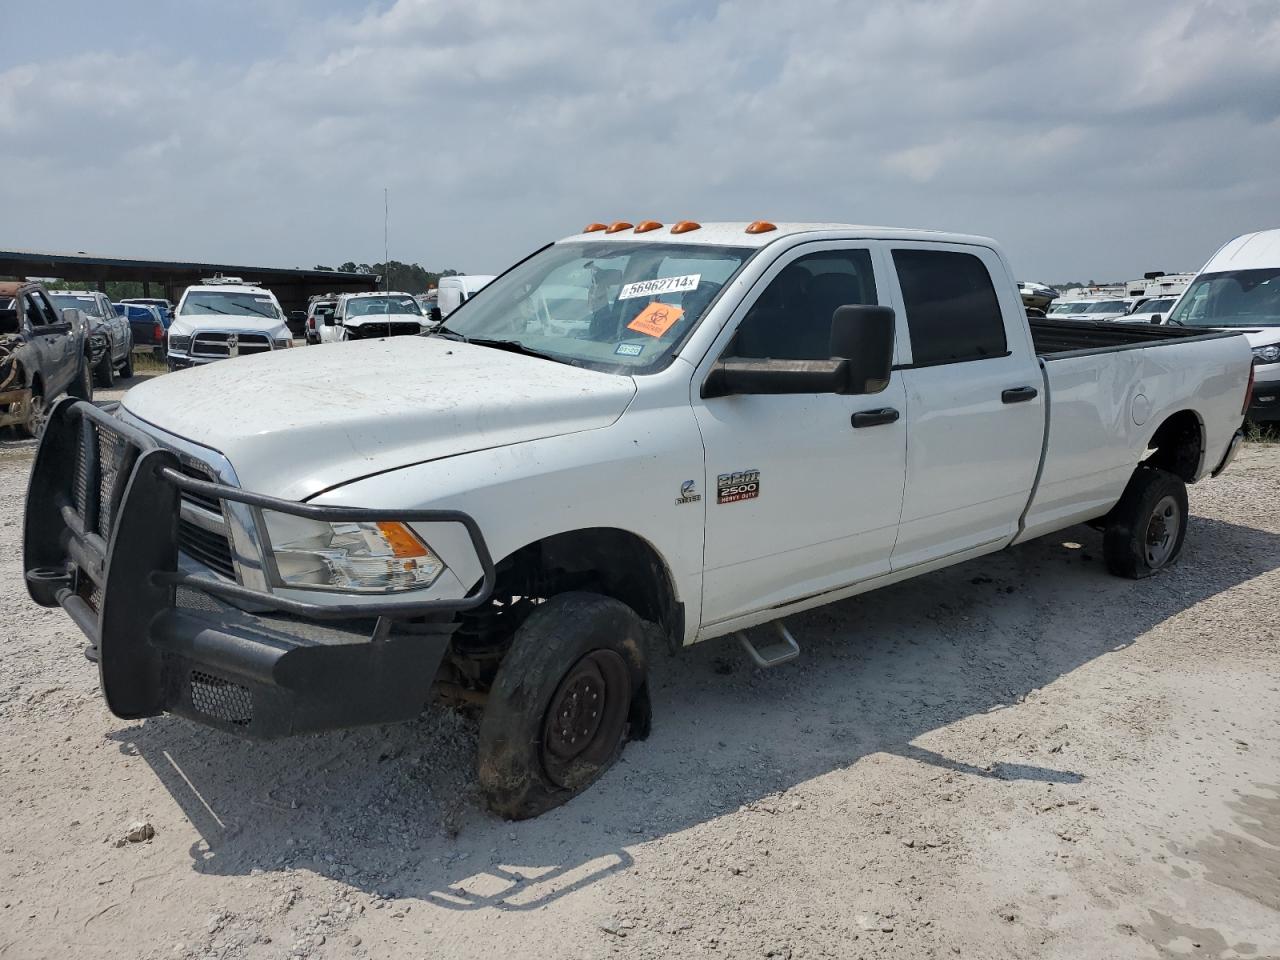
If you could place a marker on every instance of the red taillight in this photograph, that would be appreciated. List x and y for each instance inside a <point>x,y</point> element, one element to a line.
<point>1248,393</point>
<point>157,333</point>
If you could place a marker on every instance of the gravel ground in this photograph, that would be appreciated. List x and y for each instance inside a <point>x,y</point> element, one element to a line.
<point>1018,757</point>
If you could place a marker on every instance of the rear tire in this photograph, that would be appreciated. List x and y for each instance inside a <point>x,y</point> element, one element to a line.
<point>569,693</point>
<point>1145,530</point>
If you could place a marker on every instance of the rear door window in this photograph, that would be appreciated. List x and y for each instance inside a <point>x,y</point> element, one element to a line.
<point>953,314</point>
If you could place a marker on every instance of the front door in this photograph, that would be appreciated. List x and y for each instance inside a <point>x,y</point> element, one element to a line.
<point>799,500</point>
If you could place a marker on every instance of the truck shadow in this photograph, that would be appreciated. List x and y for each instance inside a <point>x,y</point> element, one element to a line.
<point>391,810</point>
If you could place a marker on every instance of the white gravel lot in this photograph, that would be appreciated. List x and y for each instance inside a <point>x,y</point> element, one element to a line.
<point>1018,757</point>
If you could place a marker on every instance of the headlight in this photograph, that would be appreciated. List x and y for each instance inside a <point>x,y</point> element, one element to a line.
<point>359,557</point>
<point>1268,354</point>
<point>284,344</point>
<point>179,343</point>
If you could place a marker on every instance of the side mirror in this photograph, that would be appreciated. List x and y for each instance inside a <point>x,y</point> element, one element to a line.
<point>436,316</point>
<point>1155,318</point>
<point>863,335</point>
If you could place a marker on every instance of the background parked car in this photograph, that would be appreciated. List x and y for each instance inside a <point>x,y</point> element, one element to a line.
<point>1149,310</point>
<point>147,325</point>
<point>360,316</point>
<point>165,307</point>
<point>453,292</point>
<point>42,354</point>
<point>317,309</point>
<point>110,340</point>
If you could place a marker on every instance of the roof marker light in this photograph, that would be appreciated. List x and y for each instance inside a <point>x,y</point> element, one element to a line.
<point>684,226</point>
<point>618,226</point>
<point>647,225</point>
<point>593,227</point>
<point>761,226</point>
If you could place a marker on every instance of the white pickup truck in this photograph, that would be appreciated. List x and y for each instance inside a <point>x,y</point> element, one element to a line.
<point>749,421</point>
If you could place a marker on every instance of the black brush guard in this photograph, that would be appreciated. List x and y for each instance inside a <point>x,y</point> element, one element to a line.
<point>101,541</point>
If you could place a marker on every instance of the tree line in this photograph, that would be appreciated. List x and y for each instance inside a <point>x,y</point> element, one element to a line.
<point>408,277</point>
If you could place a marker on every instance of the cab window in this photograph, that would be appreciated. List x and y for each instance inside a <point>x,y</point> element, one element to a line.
<point>791,320</point>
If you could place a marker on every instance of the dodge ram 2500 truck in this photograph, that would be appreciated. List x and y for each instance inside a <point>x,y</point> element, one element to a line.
<point>742,421</point>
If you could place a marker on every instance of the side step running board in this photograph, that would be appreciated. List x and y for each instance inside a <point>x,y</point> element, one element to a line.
<point>780,650</point>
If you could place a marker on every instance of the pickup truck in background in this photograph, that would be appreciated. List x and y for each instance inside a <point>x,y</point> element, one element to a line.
<point>43,353</point>
<point>360,316</point>
<point>147,324</point>
<point>110,339</point>
<point>749,420</point>
<point>224,318</point>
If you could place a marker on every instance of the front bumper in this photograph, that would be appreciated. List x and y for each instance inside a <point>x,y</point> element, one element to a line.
<point>100,540</point>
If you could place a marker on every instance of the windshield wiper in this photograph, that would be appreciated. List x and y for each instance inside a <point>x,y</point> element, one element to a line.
<point>443,331</point>
<point>515,346</point>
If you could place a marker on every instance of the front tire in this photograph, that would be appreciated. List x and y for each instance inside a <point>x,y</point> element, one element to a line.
<point>1145,531</point>
<point>568,695</point>
<point>104,374</point>
<point>37,415</point>
<point>82,389</point>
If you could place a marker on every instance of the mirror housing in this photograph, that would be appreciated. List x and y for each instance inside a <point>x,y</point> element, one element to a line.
<point>863,335</point>
<point>1155,318</point>
<point>328,319</point>
<point>436,316</point>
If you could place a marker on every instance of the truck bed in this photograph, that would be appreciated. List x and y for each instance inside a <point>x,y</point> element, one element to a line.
<point>1054,339</point>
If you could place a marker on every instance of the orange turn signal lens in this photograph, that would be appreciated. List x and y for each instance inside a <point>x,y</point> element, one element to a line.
<point>403,541</point>
<point>618,226</point>
<point>761,226</point>
<point>593,227</point>
<point>684,226</point>
<point>647,225</point>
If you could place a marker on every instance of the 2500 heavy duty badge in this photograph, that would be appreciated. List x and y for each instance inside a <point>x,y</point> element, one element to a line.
<point>740,485</point>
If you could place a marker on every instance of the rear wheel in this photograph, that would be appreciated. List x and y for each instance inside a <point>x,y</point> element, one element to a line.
<point>1145,531</point>
<point>566,698</point>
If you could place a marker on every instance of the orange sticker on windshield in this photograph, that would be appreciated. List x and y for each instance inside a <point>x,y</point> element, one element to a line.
<point>655,319</point>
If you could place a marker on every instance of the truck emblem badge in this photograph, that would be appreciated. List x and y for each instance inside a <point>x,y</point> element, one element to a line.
<point>233,345</point>
<point>688,493</point>
<point>739,485</point>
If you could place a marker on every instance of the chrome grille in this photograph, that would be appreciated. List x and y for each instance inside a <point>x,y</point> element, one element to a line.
<point>203,534</point>
<point>217,345</point>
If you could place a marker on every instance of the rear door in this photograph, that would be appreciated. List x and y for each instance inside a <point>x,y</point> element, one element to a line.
<point>800,498</point>
<point>975,409</point>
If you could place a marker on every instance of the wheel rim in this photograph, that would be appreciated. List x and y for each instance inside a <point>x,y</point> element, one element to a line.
<point>38,415</point>
<point>586,718</point>
<point>1162,531</point>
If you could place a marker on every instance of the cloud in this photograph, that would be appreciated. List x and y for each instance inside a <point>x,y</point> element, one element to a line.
<point>1091,138</point>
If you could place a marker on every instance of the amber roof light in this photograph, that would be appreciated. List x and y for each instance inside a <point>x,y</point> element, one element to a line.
<point>761,226</point>
<point>647,225</point>
<point>618,226</point>
<point>684,226</point>
<point>593,227</point>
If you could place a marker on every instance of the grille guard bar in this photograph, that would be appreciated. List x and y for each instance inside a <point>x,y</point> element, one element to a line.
<point>89,551</point>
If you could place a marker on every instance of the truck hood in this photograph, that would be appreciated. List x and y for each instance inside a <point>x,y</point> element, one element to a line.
<point>1257,336</point>
<point>384,317</point>
<point>190,322</point>
<point>296,422</point>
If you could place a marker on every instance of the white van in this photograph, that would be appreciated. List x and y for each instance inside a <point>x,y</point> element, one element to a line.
<point>1239,289</point>
<point>453,292</point>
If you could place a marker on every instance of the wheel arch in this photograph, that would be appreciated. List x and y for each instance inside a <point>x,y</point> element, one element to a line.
<point>1178,445</point>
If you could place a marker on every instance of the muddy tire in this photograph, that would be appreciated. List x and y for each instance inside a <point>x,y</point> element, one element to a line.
<point>126,368</point>
<point>82,389</point>
<point>104,374</point>
<point>1144,532</point>
<point>568,695</point>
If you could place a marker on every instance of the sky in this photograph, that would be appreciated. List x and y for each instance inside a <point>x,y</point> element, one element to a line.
<point>1093,139</point>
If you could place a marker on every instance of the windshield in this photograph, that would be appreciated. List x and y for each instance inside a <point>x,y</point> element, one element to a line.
<point>1063,308</point>
<point>227,302</point>
<point>619,307</point>
<point>380,306</point>
<point>1234,298</point>
<point>1156,306</point>
<point>69,301</point>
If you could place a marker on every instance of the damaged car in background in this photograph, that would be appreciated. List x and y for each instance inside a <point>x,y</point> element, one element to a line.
<point>43,354</point>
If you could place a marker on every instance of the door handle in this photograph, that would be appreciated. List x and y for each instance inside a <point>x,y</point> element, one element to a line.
<point>874,418</point>
<point>1019,394</point>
